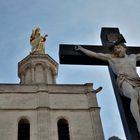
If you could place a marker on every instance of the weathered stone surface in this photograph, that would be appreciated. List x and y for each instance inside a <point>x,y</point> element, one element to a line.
<point>44,105</point>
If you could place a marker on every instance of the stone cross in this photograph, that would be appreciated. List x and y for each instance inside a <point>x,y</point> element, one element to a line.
<point>68,55</point>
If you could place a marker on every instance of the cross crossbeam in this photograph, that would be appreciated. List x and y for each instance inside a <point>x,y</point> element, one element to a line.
<point>68,55</point>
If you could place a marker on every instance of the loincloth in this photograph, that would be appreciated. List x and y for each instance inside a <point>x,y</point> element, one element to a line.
<point>133,81</point>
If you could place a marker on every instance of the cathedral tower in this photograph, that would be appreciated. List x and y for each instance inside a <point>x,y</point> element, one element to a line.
<point>40,109</point>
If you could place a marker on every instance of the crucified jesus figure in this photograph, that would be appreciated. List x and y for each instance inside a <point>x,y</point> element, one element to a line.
<point>124,67</point>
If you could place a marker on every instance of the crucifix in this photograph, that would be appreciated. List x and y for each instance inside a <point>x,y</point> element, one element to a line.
<point>122,68</point>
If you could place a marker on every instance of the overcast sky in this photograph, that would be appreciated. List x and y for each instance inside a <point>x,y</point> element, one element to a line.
<point>70,22</point>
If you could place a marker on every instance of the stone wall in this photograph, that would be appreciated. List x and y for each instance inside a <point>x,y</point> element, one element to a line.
<point>43,105</point>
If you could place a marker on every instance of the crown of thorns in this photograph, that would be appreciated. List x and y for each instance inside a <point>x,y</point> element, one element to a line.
<point>120,41</point>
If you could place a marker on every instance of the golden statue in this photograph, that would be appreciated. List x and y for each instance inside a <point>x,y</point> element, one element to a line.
<point>37,41</point>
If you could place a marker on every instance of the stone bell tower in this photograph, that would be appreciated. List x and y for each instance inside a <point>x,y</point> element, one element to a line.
<point>37,69</point>
<point>40,109</point>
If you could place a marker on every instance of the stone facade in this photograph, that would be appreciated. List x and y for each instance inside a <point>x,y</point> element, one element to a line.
<point>43,103</point>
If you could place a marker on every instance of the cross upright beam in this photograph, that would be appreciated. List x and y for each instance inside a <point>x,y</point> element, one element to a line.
<point>68,55</point>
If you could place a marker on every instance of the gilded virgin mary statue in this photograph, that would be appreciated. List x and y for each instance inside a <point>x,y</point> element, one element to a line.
<point>37,41</point>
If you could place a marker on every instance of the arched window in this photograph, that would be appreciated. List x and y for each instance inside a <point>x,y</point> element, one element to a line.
<point>63,129</point>
<point>23,130</point>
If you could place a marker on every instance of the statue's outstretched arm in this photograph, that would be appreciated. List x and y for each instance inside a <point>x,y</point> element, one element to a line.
<point>89,53</point>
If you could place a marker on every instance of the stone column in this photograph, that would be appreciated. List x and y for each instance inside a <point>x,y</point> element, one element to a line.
<point>33,73</point>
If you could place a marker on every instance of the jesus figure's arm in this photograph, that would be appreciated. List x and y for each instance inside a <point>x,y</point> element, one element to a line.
<point>102,56</point>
